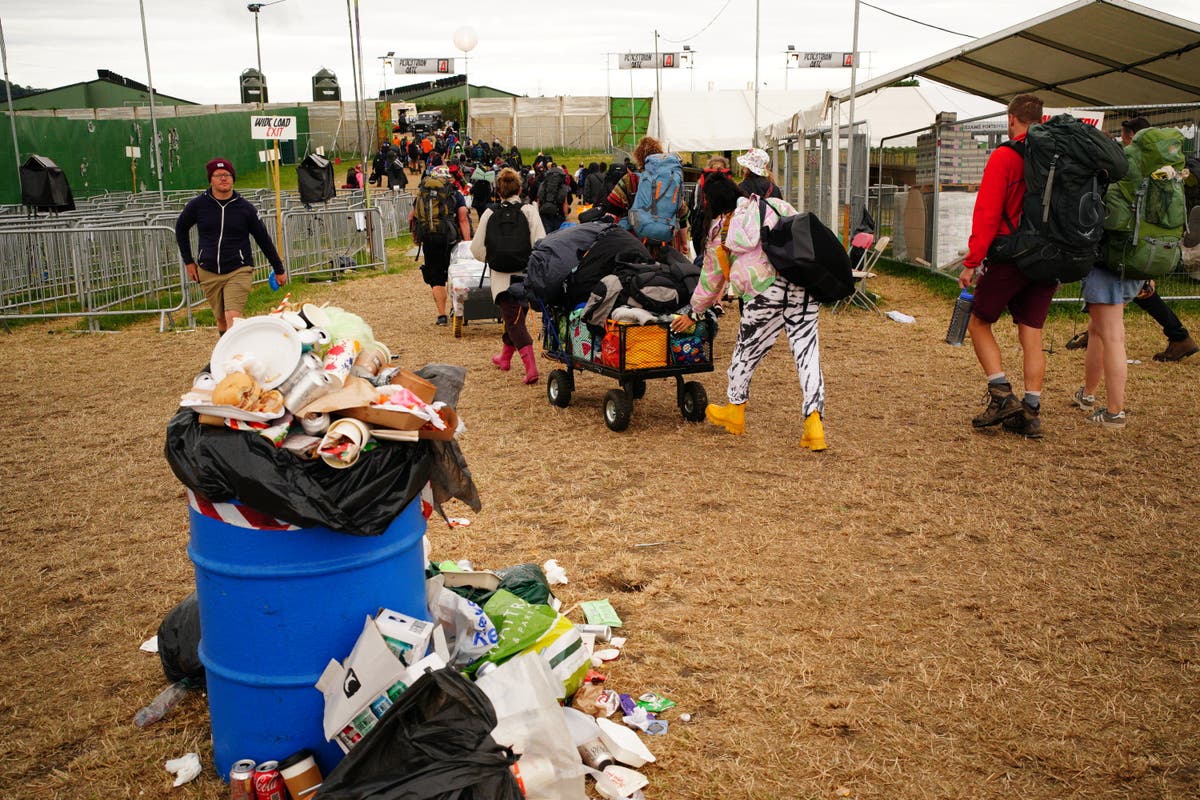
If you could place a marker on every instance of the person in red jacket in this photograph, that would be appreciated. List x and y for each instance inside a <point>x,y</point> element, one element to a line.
<point>1001,285</point>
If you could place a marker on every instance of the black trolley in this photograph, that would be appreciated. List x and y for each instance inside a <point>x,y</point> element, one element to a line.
<point>618,403</point>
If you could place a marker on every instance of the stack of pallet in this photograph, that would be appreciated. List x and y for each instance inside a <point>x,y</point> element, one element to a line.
<point>960,159</point>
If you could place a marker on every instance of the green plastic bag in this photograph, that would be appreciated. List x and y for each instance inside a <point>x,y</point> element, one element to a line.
<point>518,623</point>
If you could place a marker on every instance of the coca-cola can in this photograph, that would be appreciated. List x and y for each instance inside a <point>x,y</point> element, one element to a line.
<point>241,780</point>
<point>268,783</point>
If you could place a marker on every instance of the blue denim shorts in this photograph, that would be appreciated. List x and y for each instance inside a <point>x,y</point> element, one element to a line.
<point>1104,287</point>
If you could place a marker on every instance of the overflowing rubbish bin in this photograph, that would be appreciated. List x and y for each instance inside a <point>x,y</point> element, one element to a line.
<point>273,605</point>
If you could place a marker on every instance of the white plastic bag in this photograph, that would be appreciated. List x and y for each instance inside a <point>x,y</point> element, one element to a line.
<point>469,632</point>
<point>524,693</point>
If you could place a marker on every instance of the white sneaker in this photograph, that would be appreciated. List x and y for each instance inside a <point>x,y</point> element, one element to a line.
<point>1101,417</point>
<point>1085,401</point>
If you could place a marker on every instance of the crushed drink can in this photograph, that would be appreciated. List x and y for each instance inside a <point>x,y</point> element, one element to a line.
<point>603,633</point>
<point>268,782</point>
<point>241,780</point>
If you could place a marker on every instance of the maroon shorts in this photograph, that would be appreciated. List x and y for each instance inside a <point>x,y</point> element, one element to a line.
<point>1004,286</point>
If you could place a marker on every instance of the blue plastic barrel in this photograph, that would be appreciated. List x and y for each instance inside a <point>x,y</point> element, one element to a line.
<point>275,606</point>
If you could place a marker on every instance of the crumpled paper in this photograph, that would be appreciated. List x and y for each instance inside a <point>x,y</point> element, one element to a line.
<point>185,768</point>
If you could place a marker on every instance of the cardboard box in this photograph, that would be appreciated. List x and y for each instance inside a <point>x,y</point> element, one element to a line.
<point>403,421</point>
<point>359,690</point>
<point>406,637</point>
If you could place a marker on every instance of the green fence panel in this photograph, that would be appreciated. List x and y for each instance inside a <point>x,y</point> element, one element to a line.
<point>91,152</point>
<point>630,119</point>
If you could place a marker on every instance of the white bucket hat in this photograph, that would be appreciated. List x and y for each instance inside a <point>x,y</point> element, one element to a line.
<point>756,161</point>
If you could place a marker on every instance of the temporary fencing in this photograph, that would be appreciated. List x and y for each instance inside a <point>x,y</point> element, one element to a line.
<point>116,253</point>
<point>91,273</point>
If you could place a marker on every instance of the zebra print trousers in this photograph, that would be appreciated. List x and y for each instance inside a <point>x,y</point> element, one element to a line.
<point>781,307</point>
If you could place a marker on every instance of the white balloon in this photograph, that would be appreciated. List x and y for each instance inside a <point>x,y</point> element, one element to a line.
<point>465,38</point>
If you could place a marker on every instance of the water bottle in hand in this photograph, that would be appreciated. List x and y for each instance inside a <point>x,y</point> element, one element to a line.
<point>959,319</point>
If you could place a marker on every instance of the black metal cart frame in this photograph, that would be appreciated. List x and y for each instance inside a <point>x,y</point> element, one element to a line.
<point>690,396</point>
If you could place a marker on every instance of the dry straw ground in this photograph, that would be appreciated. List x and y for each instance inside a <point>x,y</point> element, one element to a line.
<point>923,611</point>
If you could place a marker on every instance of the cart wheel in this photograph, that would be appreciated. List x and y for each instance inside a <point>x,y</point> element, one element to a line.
<point>694,401</point>
<point>635,388</point>
<point>457,326</point>
<point>618,408</point>
<point>558,388</point>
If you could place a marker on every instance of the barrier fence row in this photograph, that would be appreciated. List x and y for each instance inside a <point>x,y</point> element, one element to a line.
<point>97,264</point>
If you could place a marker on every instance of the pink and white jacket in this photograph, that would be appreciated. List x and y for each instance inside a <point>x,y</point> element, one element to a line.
<point>734,253</point>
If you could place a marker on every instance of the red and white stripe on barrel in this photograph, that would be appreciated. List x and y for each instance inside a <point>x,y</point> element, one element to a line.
<point>237,515</point>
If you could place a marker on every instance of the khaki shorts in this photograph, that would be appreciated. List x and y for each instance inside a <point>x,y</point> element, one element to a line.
<point>226,292</point>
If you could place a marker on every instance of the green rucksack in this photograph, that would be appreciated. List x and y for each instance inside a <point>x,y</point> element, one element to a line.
<point>1146,210</point>
<point>434,213</point>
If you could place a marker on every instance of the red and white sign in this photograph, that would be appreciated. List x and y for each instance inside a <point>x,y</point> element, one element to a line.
<point>272,127</point>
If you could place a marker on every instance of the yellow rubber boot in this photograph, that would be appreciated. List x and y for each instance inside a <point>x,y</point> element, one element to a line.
<point>731,417</point>
<point>814,433</point>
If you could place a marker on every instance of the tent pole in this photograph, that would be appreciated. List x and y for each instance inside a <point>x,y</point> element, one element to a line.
<point>12,116</point>
<point>162,201</point>
<point>756,43</point>
<point>850,146</point>
<point>658,85</point>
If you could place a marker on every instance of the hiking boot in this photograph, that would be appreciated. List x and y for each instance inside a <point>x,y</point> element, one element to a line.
<point>1078,341</point>
<point>1028,423</point>
<point>1085,401</point>
<point>814,433</point>
<point>1177,351</point>
<point>731,417</point>
<point>1002,404</point>
<point>1191,236</point>
<point>1101,417</point>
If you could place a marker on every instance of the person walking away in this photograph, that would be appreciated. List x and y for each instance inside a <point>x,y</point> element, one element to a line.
<point>1180,343</point>
<point>733,255</point>
<point>225,222</point>
<point>439,221</point>
<point>593,186</point>
<point>506,236</point>
<point>624,197</point>
<point>1001,285</point>
<point>396,174</point>
<point>552,197</point>
<point>758,179</point>
<point>700,218</point>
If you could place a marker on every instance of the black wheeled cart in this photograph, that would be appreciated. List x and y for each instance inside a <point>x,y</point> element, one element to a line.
<point>631,355</point>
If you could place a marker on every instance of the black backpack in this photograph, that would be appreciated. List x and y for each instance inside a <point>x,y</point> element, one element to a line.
<point>660,288</point>
<point>804,251</point>
<point>613,177</point>
<point>552,192</point>
<point>507,238</point>
<point>1068,166</point>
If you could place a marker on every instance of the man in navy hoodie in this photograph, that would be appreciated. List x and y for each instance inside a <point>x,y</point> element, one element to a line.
<point>224,265</point>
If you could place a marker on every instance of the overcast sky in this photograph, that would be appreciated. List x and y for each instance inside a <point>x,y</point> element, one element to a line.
<point>198,48</point>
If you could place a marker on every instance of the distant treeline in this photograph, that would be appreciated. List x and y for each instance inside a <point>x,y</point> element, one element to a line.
<point>18,90</point>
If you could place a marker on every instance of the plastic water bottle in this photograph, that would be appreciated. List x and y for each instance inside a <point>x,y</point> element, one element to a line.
<point>273,282</point>
<point>167,699</point>
<point>959,319</point>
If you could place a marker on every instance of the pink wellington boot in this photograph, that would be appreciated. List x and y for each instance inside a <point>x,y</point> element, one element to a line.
<point>531,373</point>
<point>503,359</point>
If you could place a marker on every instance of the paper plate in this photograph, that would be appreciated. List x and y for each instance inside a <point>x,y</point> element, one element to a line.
<point>269,344</point>
<point>233,412</point>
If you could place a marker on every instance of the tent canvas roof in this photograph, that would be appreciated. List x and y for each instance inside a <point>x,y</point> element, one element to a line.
<point>1088,53</point>
<point>701,122</point>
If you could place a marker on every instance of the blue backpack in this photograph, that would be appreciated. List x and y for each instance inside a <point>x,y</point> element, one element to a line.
<point>653,216</point>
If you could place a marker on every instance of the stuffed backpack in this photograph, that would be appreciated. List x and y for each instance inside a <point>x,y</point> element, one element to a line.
<point>1147,208</point>
<point>507,238</point>
<point>653,215</point>
<point>1068,166</point>
<point>434,222</point>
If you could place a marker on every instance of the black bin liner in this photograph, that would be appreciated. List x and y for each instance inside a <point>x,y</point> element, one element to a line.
<point>433,744</point>
<point>222,464</point>
<point>44,186</point>
<point>179,642</point>
<point>314,179</point>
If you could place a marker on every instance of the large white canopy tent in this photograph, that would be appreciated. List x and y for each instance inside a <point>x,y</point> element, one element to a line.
<point>1088,53</point>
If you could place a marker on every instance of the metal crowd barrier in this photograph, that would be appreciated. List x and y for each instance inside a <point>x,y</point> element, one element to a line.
<point>91,273</point>
<point>334,241</point>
